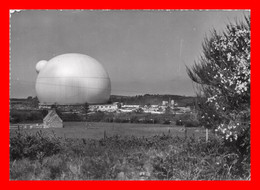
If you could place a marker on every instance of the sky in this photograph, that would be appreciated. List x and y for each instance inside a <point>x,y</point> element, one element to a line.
<point>143,51</point>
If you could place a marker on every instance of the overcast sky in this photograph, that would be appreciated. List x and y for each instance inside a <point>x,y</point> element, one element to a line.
<point>143,51</point>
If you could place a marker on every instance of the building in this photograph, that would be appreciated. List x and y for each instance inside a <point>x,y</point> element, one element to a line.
<point>165,103</point>
<point>44,106</point>
<point>151,109</point>
<point>52,120</point>
<point>125,110</point>
<point>104,107</point>
<point>130,106</point>
<point>172,102</point>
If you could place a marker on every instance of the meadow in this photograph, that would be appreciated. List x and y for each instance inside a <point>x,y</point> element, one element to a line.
<point>97,130</point>
<point>81,151</point>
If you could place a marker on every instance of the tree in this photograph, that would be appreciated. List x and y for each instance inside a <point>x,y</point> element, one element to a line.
<point>222,75</point>
<point>35,102</point>
<point>86,110</point>
<point>168,110</point>
<point>29,98</point>
<point>86,107</point>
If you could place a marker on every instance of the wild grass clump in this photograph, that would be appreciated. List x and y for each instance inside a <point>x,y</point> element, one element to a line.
<point>33,146</point>
<point>161,157</point>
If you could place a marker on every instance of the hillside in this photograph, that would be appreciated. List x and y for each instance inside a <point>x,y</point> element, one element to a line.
<point>153,99</point>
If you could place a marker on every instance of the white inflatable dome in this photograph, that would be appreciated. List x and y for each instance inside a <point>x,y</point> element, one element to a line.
<point>72,79</point>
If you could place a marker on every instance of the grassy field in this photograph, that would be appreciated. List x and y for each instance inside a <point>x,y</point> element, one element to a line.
<point>98,130</point>
<point>128,152</point>
<point>161,157</point>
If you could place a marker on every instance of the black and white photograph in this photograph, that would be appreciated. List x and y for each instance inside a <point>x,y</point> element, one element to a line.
<point>129,94</point>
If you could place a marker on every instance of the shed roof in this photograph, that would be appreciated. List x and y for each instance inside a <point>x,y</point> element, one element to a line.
<point>51,115</point>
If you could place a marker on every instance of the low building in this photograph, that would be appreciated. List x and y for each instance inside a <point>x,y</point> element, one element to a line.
<point>154,112</point>
<point>104,107</point>
<point>125,110</point>
<point>44,106</point>
<point>130,106</point>
<point>52,120</point>
<point>165,103</point>
<point>151,109</point>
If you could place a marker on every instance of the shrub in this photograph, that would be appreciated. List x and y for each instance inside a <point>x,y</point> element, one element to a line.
<point>18,116</point>
<point>191,123</point>
<point>32,146</point>
<point>21,170</point>
<point>179,122</point>
<point>167,122</point>
<point>223,76</point>
<point>96,117</point>
<point>161,157</point>
<point>54,166</point>
<point>96,168</point>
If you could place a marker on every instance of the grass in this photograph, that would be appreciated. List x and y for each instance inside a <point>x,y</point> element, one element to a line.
<point>158,157</point>
<point>96,130</point>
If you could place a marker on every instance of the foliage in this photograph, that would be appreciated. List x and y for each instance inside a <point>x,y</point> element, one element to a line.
<point>130,118</point>
<point>30,146</point>
<point>191,123</point>
<point>223,75</point>
<point>18,116</point>
<point>71,117</point>
<point>161,157</point>
<point>153,99</point>
<point>179,122</point>
<point>96,117</point>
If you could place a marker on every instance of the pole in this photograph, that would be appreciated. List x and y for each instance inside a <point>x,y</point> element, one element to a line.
<point>207,134</point>
<point>105,134</point>
<point>185,133</point>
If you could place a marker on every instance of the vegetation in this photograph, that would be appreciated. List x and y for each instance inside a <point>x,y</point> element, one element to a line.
<point>21,116</point>
<point>223,77</point>
<point>153,99</point>
<point>162,157</point>
<point>96,130</point>
<point>223,104</point>
<point>26,110</point>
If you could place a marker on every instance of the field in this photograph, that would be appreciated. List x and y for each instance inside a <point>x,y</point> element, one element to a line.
<point>97,130</point>
<point>114,151</point>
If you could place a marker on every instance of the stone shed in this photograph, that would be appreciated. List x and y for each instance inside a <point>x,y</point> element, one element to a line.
<point>52,119</point>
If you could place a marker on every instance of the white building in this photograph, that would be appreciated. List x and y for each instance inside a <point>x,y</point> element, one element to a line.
<point>164,103</point>
<point>130,106</point>
<point>125,110</point>
<point>44,106</point>
<point>104,107</point>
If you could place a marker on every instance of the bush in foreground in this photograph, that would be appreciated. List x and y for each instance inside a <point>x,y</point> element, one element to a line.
<point>222,75</point>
